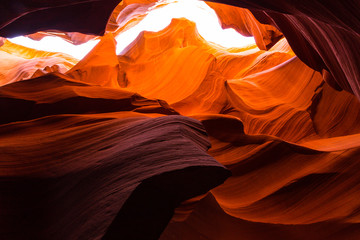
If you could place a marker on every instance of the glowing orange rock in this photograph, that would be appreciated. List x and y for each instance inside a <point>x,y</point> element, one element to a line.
<point>20,63</point>
<point>322,35</point>
<point>100,66</point>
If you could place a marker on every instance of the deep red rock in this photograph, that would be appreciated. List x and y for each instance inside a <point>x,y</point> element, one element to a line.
<point>71,163</point>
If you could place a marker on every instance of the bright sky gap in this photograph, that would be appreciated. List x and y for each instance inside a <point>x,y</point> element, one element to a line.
<point>199,12</point>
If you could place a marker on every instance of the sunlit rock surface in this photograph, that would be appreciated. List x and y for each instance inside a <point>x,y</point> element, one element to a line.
<point>107,147</point>
<point>245,23</point>
<point>324,34</point>
<point>19,63</point>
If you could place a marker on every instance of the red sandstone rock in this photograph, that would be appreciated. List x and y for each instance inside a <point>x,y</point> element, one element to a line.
<point>73,162</point>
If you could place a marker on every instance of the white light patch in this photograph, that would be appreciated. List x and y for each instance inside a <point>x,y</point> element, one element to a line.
<point>206,20</point>
<point>57,44</point>
<point>199,12</point>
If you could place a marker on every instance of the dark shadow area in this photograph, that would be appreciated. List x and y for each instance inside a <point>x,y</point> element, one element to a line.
<point>150,207</point>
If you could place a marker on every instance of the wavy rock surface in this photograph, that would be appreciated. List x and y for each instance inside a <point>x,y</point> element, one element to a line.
<point>273,116</point>
<point>23,17</point>
<point>265,120</point>
<point>74,154</point>
<point>322,36</point>
<point>19,63</point>
<point>325,35</point>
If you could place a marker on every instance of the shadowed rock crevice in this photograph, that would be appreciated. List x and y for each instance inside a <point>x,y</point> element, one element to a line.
<point>146,213</point>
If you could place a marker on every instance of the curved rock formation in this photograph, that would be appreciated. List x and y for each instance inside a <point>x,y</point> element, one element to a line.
<point>324,35</point>
<point>109,146</point>
<point>19,63</point>
<point>74,154</point>
<point>243,21</point>
<point>23,17</point>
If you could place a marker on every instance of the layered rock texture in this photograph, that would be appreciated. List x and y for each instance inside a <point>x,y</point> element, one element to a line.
<point>118,146</point>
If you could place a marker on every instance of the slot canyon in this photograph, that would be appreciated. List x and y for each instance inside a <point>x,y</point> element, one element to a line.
<point>171,135</point>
